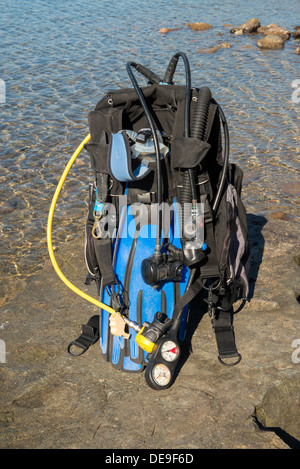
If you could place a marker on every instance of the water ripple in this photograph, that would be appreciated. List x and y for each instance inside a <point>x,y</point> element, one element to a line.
<point>63,57</point>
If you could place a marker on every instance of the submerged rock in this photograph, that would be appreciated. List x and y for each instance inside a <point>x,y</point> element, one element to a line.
<point>7,207</point>
<point>279,215</point>
<point>199,26</point>
<point>297,51</point>
<point>211,50</point>
<point>167,30</point>
<point>225,45</point>
<point>270,42</point>
<point>250,26</point>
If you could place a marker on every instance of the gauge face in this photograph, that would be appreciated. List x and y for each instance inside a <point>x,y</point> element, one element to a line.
<point>161,374</point>
<point>169,351</point>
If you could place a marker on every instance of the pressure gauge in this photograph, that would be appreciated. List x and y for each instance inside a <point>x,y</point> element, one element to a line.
<point>169,351</point>
<point>161,375</point>
<point>160,370</point>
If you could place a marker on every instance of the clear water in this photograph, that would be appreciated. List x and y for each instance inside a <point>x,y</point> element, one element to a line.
<point>59,58</point>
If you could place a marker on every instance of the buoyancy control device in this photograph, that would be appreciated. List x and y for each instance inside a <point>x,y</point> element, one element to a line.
<point>165,224</point>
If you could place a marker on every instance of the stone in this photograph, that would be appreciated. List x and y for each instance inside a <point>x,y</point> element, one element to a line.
<point>250,26</point>
<point>297,51</point>
<point>167,30</point>
<point>164,30</point>
<point>200,26</point>
<point>275,30</point>
<point>278,215</point>
<point>211,50</point>
<point>225,45</point>
<point>296,34</point>
<point>270,42</point>
<point>280,407</point>
<point>262,29</point>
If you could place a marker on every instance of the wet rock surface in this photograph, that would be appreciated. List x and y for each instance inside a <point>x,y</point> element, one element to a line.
<point>211,50</point>
<point>270,42</point>
<point>250,26</point>
<point>51,400</point>
<point>276,30</point>
<point>198,26</point>
<point>296,33</point>
<point>272,36</point>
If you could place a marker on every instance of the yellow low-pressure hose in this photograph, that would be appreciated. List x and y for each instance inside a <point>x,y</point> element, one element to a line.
<point>49,233</point>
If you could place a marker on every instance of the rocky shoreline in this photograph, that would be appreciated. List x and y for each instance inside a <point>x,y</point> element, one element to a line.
<point>273,35</point>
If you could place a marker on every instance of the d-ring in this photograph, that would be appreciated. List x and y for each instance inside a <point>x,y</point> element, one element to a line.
<point>230,364</point>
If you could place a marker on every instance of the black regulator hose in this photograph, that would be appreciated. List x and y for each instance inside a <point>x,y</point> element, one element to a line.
<point>187,196</point>
<point>225,157</point>
<point>151,76</point>
<point>201,113</point>
<point>157,153</point>
<point>197,131</point>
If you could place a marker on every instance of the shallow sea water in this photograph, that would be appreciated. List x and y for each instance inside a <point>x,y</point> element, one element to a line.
<point>60,58</point>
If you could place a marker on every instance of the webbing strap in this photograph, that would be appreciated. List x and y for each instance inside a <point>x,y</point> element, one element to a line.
<point>224,332</point>
<point>188,296</point>
<point>104,259</point>
<point>88,337</point>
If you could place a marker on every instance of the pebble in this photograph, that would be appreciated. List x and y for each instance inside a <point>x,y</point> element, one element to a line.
<point>167,30</point>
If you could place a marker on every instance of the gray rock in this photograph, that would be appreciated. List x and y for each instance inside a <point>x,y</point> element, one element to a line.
<point>271,413</point>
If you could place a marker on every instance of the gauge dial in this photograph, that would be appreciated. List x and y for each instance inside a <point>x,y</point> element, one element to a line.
<point>161,374</point>
<point>169,351</point>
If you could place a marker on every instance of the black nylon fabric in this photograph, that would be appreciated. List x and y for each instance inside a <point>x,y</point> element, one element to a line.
<point>188,152</point>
